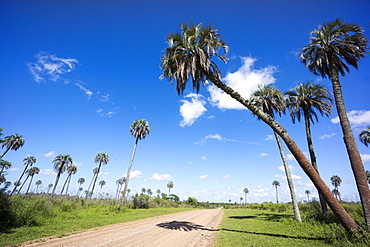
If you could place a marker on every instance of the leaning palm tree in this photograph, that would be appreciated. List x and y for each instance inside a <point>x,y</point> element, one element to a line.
<point>169,186</point>
<point>61,164</point>
<point>276,184</point>
<point>95,174</point>
<point>71,170</point>
<point>189,57</point>
<point>333,47</point>
<point>13,142</point>
<point>38,183</point>
<point>246,191</point>
<point>138,129</point>
<point>4,165</point>
<point>80,181</point>
<point>308,195</point>
<point>306,100</point>
<point>270,100</point>
<point>16,184</point>
<point>101,158</point>
<point>365,136</point>
<point>31,172</point>
<point>28,161</point>
<point>119,183</point>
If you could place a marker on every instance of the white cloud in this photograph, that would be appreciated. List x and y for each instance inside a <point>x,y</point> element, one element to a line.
<point>156,176</point>
<point>264,154</point>
<point>50,67</point>
<point>292,168</point>
<point>226,176</point>
<point>111,113</point>
<point>134,174</point>
<point>47,171</point>
<point>269,138</point>
<point>87,92</point>
<point>191,110</point>
<point>13,169</point>
<point>215,137</point>
<point>245,81</point>
<point>203,157</point>
<point>49,154</point>
<point>365,157</point>
<point>203,176</point>
<point>356,117</point>
<point>327,136</point>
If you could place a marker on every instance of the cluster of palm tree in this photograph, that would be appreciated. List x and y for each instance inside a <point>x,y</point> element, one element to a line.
<point>332,47</point>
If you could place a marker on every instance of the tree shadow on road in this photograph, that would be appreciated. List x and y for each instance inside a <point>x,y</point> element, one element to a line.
<point>183,226</point>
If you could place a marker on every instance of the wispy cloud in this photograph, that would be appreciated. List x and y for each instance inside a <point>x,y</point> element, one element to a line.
<point>264,154</point>
<point>47,171</point>
<point>245,81</point>
<point>226,176</point>
<point>365,157</point>
<point>134,174</point>
<point>357,118</point>
<point>192,109</point>
<point>87,92</point>
<point>269,138</point>
<point>49,154</point>
<point>110,113</point>
<point>50,67</point>
<point>203,176</point>
<point>203,158</point>
<point>215,137</point>
<point>327,136</point>
<point>156,176</point>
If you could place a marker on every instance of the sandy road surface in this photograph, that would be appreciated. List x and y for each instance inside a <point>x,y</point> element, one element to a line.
<point>191,228</point>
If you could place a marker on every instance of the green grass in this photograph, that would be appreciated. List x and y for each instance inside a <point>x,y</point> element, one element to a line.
<point>252,227</point>
<point>65,223</point>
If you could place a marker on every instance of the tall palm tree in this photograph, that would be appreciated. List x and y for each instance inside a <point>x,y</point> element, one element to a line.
<point>189,57</point>
<point>365,136</point>
<point>71,170</point>
<point>270,100</point>
<point>80,181</point>
<point>4,165</point>
<point>336,181</point>
<point>49,187</point>
<point>119,183</point>
<point>138,129</point>
<point>28,162</point>
<point>276,184</point>
<point>95,174</point>
<point>336,193</point>
<point>246,191</point>
<point>308,195</point>
<point>305,101</point>
<point>16,184</point>
<point>158,192</point>
<point>149,192</point>
<point>13,142</point>
<point>31,172</point>
<point>61,164</point>
<point>101,184</point>
<point>38,183</point>
<point>100,158</point>
<point>169,186</point>
<point>333,47</point>
<point>143,190</point>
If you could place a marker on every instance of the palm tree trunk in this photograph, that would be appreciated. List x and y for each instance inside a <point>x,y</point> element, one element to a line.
<point>277,197</point>
<point>6,150</point>
<point>129,171</point>
<point>22,185</point>
<point>96,177</point>
<point>29,185</point>
<point>24,171</point>
<point>65,182</point>
<point>297,215</point>
<point>55,184</point>
<point>311,150</point>
<point>353,153</point>
<point>347,222</point>
<point>88,188</point>
<point>69,181</point>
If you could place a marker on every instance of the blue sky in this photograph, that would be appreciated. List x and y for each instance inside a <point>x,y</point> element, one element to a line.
<point>76,74</point>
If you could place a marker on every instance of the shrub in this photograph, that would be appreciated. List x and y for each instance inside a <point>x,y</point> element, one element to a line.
<point>141,201</point>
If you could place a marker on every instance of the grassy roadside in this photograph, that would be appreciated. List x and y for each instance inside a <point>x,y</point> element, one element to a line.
<point>251,227</point>
<point>76,220</point>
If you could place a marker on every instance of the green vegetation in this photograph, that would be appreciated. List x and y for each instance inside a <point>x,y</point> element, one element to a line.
<point>269,224</point>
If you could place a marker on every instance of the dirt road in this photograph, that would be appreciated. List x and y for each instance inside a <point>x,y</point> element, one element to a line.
<point>191,228</point>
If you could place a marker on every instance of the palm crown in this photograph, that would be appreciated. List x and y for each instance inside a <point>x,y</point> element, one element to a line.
<point>140,129</point>
<point>269,99</point>
<point>365,136</point>
<point>189,55</point>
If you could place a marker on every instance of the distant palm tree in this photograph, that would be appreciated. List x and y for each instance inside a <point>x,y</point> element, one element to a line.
<point>336,193</point>
<point>306,100</point>
<point>16,184</point>
<point>49,187</point>
<point>71,170</point>
<point>61,164</point>
<point>169,186</point>
<point>229,200</point>
<point>276,184</point>
<point>38,183</point>
<point>31,172</point>
<point>246,191</point>
<point>128,192</point>
<point>270,100</point>
<point>308,195</point>
<point>333,47</point>
<point>4,165</point>
<point>80,182</point>
<point>368,176</point>
<point>13,142</point>
<point>101,158</point>
<point>101,184</point>
<point>28,162</point>
<point>336,181</point>
<point>365,136</point>
<point>158,192</point>
<point>149,191</point>
<point>119,183</point>
<point>163,195</point>
<point>138,129</point>
<point>241,199</point>
<point>95,174</point>
<point>143,190</point>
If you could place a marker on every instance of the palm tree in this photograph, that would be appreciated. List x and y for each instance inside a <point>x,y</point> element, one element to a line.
<point>246,191</point>
<point>149,191</point>
<point>365,136</point>
<point>38,183</point>
<point>306,100</point>
<point>71,170</point>
<point>13,142</point>
<point>270,100</point>
<point>158,192</point>
<point>49,187</point>
<point>138,129</point>
<point>308,195</point>
<point>368,176</point>
<point>336,181</point>
<point>143,190</point>
<point>95,174</point>
<point>276,184</point>
<point>28,161</point>
<point>336,193</point>
<point>333,47</point>
<point>241,199</point>
<point>119,183</point>
<point>189,57</point>
<point>80,182</point>
<point>16,184</point>
<point>31,172</point>
<point>128,192</point>
<point>4,165</point>
<point>101,158</point>
<point>169,186</point>
<point>101,184</point>
<point>61,164</point>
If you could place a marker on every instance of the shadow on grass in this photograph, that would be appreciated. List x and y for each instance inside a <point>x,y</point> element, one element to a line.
<point>267,217</point>
<point>242,217</point>
<point>272,234</point>
<point>183,226</point>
